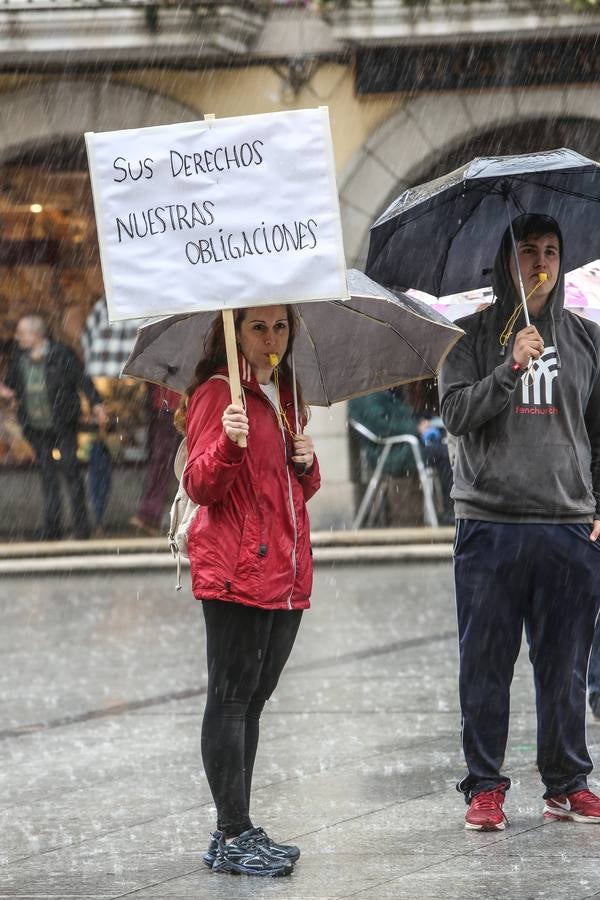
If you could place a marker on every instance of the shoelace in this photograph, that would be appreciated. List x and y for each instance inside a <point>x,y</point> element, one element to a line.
<point>248,846</point>
<point>261,837</point>
<point>489,800</point>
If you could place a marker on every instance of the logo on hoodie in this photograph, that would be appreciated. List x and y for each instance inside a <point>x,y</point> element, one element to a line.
<point>537,385</point>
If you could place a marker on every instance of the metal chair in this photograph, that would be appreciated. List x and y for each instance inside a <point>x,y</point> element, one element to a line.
<point>429,511</point>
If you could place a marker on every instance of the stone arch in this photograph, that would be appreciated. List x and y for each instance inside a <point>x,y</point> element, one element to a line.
<point>410,146</point>
<point>42,130</point>
<point>69,107</point>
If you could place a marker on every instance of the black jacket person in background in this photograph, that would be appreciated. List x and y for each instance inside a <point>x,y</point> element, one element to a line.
<point>524,403</point>
<point>45,378</point>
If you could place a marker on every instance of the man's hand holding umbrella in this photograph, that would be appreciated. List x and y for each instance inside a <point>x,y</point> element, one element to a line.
<point>529,345</point>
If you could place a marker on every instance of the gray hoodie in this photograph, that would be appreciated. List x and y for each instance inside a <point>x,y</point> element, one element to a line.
<point>525,452</point>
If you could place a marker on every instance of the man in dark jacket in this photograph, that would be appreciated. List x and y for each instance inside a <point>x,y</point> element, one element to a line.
<point>525,408</point>
<point>45,377</point>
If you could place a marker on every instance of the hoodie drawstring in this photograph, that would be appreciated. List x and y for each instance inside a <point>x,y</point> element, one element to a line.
<point>508,328</point>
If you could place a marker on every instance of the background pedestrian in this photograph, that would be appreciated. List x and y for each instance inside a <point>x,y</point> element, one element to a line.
<point>45,378</point>
<point>163,440</point>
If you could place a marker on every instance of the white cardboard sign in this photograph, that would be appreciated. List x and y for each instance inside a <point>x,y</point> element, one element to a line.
<point>217,214</point>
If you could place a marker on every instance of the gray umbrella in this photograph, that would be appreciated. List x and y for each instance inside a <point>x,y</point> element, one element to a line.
<point>343,348</point>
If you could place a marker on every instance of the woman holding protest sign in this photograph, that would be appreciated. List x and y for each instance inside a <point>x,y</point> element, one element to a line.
<point>250,557</point>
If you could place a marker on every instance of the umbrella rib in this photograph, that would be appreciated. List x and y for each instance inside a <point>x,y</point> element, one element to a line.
<point>313,345</point>
<point>377,321</point>
<point>556,189</point>
<point>458,230</point>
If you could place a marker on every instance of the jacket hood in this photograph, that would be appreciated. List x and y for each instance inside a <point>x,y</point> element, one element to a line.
<point>508,297</point>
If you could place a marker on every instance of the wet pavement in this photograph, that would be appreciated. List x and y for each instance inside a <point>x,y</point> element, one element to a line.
<point>101,788</point>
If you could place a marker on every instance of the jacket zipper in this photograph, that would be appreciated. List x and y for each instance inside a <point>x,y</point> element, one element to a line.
<point>292,510</point>
<point>290,495</point>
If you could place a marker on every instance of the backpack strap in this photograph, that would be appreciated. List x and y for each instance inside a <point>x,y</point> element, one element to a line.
<point>180,461</point>
<point>181,498</point>
<point>179,464</point>
<point>226,379</point>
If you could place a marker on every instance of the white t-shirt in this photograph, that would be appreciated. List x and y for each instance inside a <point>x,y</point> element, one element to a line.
<point>270,392</point>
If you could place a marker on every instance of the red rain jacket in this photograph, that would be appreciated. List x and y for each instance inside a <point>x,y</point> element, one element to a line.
<point>250,539</point>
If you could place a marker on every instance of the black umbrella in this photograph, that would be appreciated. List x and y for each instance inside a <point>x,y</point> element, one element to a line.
<point>442,237</point>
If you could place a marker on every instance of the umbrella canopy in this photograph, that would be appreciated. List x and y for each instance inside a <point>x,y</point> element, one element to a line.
<point>442,237</point>
<point>343,348</point>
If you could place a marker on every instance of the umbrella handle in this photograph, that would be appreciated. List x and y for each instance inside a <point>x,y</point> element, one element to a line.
<point>232,365</point>
<point>231,347</point>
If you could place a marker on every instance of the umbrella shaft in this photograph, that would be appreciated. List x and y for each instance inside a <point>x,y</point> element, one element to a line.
<point>518,267</point>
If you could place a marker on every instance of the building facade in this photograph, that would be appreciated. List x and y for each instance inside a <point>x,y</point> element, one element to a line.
<point>413,90</point>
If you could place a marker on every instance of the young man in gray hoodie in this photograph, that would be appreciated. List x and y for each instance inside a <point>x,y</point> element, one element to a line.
<point>524,403</point>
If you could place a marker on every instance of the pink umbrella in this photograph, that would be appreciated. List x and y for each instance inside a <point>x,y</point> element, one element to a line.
<point>582,293</point>
<point>583,287</point>
<point>574,296</point>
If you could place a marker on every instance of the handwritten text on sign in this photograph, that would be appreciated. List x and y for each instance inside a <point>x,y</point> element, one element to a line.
<point>217,214</point>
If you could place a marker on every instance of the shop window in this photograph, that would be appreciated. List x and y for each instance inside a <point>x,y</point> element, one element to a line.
<point>49,265</point>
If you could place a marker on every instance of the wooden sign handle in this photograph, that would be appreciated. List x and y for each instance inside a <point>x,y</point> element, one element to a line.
<point>232,364</point>
<point>231,349</point>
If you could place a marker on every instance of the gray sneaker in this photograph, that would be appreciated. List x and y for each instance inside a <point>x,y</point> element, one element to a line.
<point>213,845</point>
<point>245,855</point>
<point>285,852</point>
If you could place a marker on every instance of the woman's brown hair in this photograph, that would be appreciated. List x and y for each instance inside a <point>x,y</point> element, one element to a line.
<point>215,358</point>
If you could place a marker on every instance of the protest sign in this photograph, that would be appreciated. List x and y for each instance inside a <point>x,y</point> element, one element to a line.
<point>217,214</point>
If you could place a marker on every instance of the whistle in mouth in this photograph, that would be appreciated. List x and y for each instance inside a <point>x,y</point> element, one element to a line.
<point>542,277</point>
<point>273,359</point>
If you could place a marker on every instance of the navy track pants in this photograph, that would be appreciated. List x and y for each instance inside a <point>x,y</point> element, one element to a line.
<point>546,577</point>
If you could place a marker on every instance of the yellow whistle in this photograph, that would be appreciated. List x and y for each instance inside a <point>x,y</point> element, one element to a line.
<point>542,276</point>
<point>273,359</point>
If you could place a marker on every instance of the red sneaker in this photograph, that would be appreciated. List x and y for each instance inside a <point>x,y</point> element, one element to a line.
<point>485,811</point>
<point>579,806</point>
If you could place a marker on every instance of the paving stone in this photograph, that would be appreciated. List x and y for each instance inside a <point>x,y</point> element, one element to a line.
<point>102,793</point>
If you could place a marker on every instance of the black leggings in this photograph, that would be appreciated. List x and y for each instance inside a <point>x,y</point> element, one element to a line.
<point>246,650</point>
